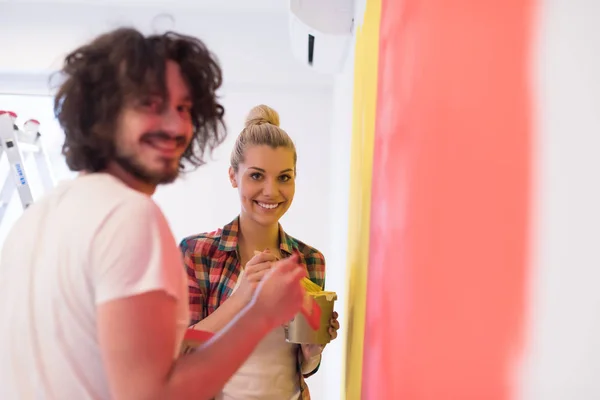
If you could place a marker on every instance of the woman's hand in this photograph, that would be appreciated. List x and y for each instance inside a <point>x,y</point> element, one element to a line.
<point>254,271</point>
<point>313,350</point>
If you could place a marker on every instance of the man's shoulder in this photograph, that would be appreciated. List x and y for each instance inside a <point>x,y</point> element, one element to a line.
<point>94,189</point>
<point>87,196</point>
<point>107,187</point>
<point>81,210</point>
<point>110,199</point>
<point>91,202</point>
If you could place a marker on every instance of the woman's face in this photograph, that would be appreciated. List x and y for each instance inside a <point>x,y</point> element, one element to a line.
<point>265,182</point>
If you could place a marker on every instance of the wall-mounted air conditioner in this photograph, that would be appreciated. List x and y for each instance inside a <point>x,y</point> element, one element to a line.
<point>322,33</point>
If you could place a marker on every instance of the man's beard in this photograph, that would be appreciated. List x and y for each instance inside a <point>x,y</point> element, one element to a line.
<point>132,166</point>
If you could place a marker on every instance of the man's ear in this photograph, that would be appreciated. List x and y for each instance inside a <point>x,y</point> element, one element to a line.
<point>232,178</point>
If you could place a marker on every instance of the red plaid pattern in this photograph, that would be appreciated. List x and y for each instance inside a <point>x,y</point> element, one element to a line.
<point>213,267</point>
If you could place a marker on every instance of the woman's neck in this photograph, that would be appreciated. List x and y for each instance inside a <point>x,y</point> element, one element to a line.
<point>256,237</point>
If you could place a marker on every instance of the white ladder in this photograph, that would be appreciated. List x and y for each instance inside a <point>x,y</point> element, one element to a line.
<point>18,145</point>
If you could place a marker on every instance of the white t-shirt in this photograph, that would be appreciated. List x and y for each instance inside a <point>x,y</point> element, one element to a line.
<point>269,373</point>
<point>89,241</point>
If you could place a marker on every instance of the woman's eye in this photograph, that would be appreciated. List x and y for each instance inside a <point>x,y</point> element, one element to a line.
<point>256,176</point>
<point>285,178</point>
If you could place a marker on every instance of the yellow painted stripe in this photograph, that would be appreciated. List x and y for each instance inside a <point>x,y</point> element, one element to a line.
<point>363,132</point>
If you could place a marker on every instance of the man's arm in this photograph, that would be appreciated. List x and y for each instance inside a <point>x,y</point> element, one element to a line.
<point>218,319</point>
<point>137,340</point>
<point>138,282</point>
<point>138,348</point>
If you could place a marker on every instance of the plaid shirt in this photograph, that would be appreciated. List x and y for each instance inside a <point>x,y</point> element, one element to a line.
<point>213,267</point>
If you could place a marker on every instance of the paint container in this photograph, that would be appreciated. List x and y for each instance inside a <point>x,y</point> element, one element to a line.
<point>299,330</point>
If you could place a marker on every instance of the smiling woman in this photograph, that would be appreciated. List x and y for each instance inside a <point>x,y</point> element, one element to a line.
<point>263,170</point>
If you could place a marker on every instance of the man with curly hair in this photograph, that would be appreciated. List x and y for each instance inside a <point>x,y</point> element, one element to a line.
<point>93,294</point>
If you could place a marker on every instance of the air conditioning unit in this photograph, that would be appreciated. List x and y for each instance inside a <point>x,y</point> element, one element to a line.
<point>321,33</point>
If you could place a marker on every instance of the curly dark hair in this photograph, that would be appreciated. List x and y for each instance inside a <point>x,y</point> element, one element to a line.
<point>123,65</point>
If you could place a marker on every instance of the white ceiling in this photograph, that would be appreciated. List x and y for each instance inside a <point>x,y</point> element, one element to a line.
<point>214,5</point>
<point>250,37</point>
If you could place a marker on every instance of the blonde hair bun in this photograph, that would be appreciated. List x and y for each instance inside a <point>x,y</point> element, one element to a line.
<point>262,114</point>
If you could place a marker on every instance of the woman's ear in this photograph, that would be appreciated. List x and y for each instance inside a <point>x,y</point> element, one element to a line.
<point>232,178</point>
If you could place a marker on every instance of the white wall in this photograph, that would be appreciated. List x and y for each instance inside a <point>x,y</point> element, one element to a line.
<point>340,140</point>
<point>562,354</point>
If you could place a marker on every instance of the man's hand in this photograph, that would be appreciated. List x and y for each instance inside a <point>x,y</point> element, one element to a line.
<point>279,296</point>
<point>254,272</point>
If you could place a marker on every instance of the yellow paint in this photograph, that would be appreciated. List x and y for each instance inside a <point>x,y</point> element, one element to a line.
<point>363,134</point>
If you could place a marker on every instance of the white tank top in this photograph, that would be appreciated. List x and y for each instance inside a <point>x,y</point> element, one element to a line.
<point>270,373</point>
